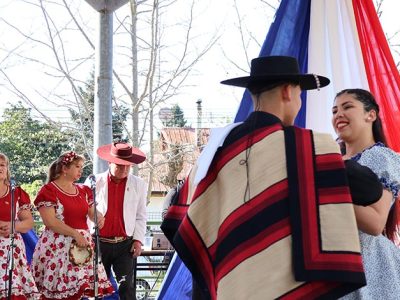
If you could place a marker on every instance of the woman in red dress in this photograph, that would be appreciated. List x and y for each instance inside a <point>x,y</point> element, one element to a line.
<point>23,285</point>
<point>64,207</point>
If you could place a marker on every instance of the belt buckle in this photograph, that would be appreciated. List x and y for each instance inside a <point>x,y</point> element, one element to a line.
<point>118,239</point>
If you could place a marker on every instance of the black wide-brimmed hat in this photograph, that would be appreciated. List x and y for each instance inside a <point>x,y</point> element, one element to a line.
<point>271,69</point>
<point>121,153</point>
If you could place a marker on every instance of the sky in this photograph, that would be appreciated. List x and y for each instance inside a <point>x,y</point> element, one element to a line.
<point>225,60</point>
<point>211,18</point>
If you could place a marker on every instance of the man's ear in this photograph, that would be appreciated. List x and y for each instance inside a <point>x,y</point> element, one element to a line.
<point>286,92</point>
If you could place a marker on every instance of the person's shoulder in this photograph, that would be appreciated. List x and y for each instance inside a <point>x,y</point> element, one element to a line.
<point>48,188</point>
<point>83,188</point>
<point>21,191</point>
<point>381,149</point>
<point>47,192</point>
<point>23,195</point>
<point>137,179</point>
<point>379,154</point>
<point>101,175</point>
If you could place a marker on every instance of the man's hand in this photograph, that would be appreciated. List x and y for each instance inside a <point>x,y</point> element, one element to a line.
<point>136,248</point>
<point>100,220</point>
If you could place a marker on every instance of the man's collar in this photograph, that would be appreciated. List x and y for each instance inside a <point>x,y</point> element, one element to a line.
<point>262,117</point>
<point>114,179</point>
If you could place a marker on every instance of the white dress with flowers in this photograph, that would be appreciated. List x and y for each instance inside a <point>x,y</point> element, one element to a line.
<point>55,275</point>
<point>23,285</point>
<point>381,257</point>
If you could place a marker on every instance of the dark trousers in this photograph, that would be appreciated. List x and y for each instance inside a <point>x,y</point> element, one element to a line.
<point>119,257</point>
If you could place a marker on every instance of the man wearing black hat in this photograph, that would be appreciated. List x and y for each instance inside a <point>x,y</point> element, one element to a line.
<point>121,199</point>
<point>266,212</point>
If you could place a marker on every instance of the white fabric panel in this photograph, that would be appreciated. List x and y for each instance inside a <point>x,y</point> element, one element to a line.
<point>334,51</point>
<point>216,140</point>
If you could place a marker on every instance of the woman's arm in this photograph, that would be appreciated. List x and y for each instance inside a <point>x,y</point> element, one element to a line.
<point>372,219</point>
<point>48,215</point>
<point>25,221</point>
<point>100,217</point>
<point>23,224</point>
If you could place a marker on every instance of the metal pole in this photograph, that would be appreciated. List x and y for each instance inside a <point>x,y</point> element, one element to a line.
<point>10,256</point>
<point>103,78</point>
<point>103,89</point>
<point>199,125</point>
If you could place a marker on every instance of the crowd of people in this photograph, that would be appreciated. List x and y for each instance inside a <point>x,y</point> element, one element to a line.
<point>63,265</point>
<point>269,211</point>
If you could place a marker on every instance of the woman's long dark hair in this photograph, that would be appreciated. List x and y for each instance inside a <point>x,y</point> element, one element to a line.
<point>369,103</point>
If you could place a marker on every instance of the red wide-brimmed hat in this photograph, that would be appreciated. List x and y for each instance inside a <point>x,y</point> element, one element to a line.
<point>121,153</point>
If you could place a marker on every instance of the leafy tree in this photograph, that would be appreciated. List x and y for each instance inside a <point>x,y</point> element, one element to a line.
<point>177,119</point>
<point>30,145</point>
<point>32,188</point>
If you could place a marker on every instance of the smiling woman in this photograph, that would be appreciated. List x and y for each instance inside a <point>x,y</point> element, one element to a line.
<point>357,122</point>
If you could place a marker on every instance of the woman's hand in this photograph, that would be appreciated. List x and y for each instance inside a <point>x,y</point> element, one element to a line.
<point>5,228</point>
<point>80,239</point>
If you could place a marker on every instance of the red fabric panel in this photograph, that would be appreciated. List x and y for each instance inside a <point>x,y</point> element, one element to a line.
<point>260,242</point>
<point>197,250</point>
<point>177,212</point>
<point>314,258</point>
<point>311,290</point>
<point>383,76</point>
<point>339,194</point>
<point>114,224</point>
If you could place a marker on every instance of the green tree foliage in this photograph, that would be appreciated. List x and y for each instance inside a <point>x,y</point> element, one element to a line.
<point>32,188</point>
<point>30,144</point>
<point>177,119</point>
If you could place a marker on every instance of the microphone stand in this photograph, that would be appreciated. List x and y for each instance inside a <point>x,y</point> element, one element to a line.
<point>10,257</point>
<point>96,240</point>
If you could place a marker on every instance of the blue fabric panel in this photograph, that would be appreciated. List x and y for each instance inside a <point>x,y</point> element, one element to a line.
<point>30,240</point>
<point>178,285</point>
<point>287,35</point>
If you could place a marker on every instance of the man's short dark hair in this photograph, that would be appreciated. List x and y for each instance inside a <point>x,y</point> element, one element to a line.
<point>259,88</point>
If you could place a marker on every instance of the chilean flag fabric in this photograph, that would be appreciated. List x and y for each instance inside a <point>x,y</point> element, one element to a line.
<point>340,39</point>
<point>344,41</point>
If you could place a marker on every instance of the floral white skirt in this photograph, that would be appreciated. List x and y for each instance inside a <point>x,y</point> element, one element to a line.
<point>57,277</point>
<point>23,285</point>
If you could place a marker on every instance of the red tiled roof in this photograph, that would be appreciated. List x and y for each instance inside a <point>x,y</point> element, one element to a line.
<point>182,135</point>
<point>185,139</point>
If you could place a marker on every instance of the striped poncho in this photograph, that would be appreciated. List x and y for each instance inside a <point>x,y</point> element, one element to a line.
<point>282,227</point>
